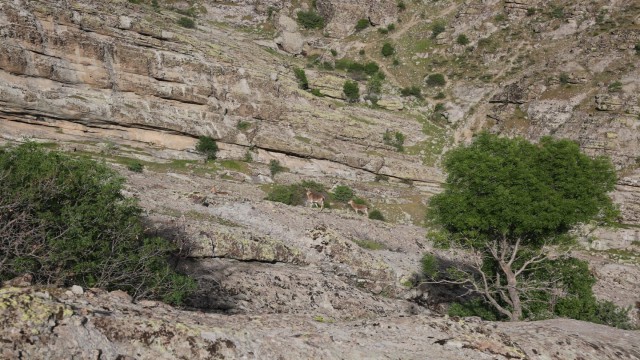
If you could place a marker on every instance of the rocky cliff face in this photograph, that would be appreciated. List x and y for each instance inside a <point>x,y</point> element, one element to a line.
<point>124,82</point>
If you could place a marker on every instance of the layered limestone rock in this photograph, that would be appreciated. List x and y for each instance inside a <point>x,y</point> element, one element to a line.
<point>342,16</point>
<point>96,70</point>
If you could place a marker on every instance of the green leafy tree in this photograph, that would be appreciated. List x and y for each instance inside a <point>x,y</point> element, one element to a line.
<point>65,221</point>
<point>507,201</point>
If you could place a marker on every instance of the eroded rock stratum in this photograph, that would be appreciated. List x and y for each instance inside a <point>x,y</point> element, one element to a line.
<point>123,81</point>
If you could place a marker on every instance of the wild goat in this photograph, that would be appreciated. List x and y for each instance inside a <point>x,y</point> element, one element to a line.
<point>315,198</point>
<point>358,207</point>
<point>215,191</point>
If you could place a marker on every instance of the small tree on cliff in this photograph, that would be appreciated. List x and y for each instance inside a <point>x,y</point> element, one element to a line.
<point>507,201</point>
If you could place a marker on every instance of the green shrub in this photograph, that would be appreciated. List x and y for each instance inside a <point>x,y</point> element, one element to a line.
<point>396,62</point>
<point>437,28</point>
<point>342,193</point>
<point>155,4</point>
<point>248,156</point>
<point>369,244</point>
<point>286,194</point>
<point>440,95</point>
<point>295,194</point>
<point>301,76</point>
<point>564,78</point>
<point>615,86</point>
<point>275,167</point>
<point>401,6</point>
<point>462,39</point>
<point>531,11</point>
<point>243,125</point>
<point>65,221</point>
<point>383,31</point>
<point>135,166</point>
<point>334,52</point>
<point>381,177</point>
<point>391,27</point>
<point>316,92</point>
<point>310,19</point>
<point>438,107</point>
<point>387,49</point>
<point>187,22</point>
<point>351,90</point>
<point>361,51</point>
<point>376,215</point>
<point>207,146</point>
<point>411,91</point>
<point>374,87</point>
<point>436,80</point>
<point>637,48</point>
<point>557,12</point>
<point>371,68</point>
<point>362,24</point>
<point>394,139</point>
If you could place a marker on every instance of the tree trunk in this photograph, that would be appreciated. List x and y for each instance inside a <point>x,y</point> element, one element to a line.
<point>514,296</point>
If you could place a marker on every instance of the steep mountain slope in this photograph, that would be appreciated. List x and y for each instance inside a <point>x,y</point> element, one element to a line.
<point>124,82</point>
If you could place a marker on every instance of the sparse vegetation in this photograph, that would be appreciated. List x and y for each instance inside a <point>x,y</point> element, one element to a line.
<point>64,220</point>
<point>243,125</point>
<point>310,19</point>
<point>342,193</point>
<point>462,39</point>
<point>294,194</point>
<point>615,86</point>
<point>381,177</point>
<point>376,215</point>
<point>207,146</point>
<point>387,49</point>
<point>351,91</point>
<point>411,91</point>
<point>301,76</point>
<point>135,166</point>
<point>362,24</point>
<point>395,139</point>
<point>370,244</point>
<point>557,12</point>
<point>437,28</point>
<point>275,167</point>
<point>436,80</point>
<point>187,22</point>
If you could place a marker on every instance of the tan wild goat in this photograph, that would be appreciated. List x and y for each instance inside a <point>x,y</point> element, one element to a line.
<point>358,207</point>
<point>215,191</point>
<point>315,198</point>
